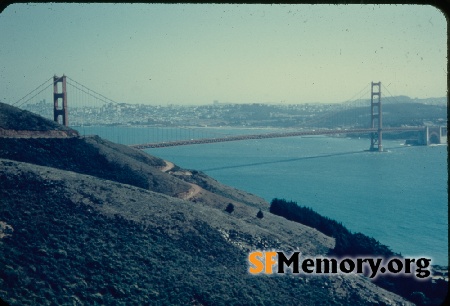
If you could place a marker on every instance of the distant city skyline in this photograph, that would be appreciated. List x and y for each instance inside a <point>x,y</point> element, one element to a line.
<point>194,54</point>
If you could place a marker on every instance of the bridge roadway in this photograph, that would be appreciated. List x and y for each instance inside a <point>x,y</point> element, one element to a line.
<point>270,135</point>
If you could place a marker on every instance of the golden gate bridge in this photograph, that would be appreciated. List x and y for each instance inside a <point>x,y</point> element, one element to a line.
<point>83,99</point>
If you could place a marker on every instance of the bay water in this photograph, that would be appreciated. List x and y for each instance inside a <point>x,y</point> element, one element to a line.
<point>398,197</point>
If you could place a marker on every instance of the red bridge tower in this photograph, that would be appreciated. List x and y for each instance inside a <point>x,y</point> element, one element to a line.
<point>60,95</point>
<point>376,118</point>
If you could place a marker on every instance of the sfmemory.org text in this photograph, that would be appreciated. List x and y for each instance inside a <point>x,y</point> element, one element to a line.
<point>275,262</point>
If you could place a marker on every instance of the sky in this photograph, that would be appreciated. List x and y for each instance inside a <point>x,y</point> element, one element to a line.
<point>163,54</point>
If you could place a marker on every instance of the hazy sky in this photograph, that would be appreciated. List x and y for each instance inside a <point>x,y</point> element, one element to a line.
<point>196,53</point>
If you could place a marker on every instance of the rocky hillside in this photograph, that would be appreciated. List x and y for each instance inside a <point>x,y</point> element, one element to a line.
<point>84,221</point>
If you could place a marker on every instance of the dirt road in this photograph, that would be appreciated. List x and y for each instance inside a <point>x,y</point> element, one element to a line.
<point>193,191</point>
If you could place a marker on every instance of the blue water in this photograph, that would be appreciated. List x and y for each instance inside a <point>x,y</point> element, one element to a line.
<point>398,197</point>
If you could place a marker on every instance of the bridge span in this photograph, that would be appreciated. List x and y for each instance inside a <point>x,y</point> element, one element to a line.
<point>272,135</point>
<point>374,127</point>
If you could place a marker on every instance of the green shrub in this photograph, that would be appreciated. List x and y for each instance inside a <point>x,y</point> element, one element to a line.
<point>260,214</point>
<point>230,208</point>
<point>347,243</point>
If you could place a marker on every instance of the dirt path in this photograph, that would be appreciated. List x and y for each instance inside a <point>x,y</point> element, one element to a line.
<point>195,189</point>
<point>169,166</point>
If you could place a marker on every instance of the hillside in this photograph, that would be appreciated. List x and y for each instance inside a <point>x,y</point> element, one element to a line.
<point>86,221</point>
<point>21,123</point>
<point>394,115</point>
<point>74,238</point>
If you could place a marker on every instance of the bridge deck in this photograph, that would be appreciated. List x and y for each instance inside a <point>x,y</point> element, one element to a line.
<point>269,135</point>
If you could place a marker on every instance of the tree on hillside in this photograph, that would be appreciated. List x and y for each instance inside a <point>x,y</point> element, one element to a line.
<point>260,214</point>
<point>230,208</point>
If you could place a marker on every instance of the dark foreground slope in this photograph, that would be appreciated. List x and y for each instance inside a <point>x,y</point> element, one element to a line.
<point>70,238</point>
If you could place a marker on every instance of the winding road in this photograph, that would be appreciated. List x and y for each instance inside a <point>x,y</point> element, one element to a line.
<point>193,191</point>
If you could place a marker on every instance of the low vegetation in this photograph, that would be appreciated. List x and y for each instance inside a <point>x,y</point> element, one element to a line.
<point>94,156</point>
<point>60,251</point>
<point>350,244</point>
<point>347,243</point>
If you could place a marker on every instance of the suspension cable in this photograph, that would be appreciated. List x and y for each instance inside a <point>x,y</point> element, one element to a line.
<point>21,104</point>
<point>32,92</point>
<point>106,98</point>
<point>88,93</point>
<point>352,99</point>
<point>390,94</point>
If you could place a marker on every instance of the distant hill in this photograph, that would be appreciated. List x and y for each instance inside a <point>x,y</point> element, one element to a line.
<point>428,101</point>
<point>397,111</point>
<point>87,221</point>
<point>442,101</point>
<point>394,115</point>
